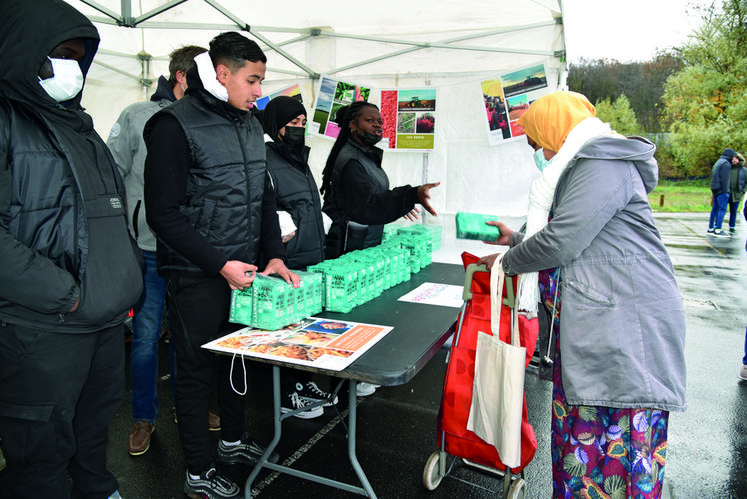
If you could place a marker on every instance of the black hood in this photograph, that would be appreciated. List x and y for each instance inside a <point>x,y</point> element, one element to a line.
<point>163,91</point>
<point>28,33</point>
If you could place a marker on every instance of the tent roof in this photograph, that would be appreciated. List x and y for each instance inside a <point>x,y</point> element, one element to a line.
<point>306,39</point>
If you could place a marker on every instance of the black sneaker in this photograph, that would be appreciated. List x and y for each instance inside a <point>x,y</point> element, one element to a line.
<point>247,452</point>
<point>313,393</point>
<point>293,401</point>
<point>211,485</point>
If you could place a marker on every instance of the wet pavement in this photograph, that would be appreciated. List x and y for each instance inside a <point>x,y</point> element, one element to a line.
<point>707,451</point>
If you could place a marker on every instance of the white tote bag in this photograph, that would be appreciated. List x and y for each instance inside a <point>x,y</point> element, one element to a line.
<point>498,389</point>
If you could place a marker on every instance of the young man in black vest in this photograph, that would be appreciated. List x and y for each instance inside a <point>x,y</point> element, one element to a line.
<point>210,203</point>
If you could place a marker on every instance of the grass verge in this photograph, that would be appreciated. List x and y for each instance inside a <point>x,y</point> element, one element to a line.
<point>682,196</point>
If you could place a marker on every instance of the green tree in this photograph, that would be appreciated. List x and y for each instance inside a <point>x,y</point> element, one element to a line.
<point>641,82</point>
<point>706,102</point>
<point>620,115</point>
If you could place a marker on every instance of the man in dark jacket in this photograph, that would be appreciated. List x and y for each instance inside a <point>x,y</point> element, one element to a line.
<point>69,269</point>
<point>720,188</point>
<point>126,144</point>
<point>210,203</point>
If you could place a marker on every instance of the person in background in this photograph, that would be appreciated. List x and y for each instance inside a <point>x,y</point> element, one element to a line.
<point>70,270</point>
<point>356,189</point>
<point>720,188</point>
<point>128,148</point>
<point>297,198</point>
<point>209,201</point>
<point>593,256</point>
<point>737,184</point>
<point>743,369</point>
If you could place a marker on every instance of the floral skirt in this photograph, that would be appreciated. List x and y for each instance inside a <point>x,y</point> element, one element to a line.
<point>602,452</point>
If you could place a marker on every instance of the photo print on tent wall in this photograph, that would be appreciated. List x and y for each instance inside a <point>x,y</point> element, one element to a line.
<point>332,95</point>
<point>508,96</point>
<point>409,118</point>
<point>292,91</point>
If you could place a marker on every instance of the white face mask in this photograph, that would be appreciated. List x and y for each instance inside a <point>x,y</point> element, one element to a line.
<point>209,78</point>
<point>67,81</point>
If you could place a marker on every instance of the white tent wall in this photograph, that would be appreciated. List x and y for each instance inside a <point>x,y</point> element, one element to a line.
<point>414,44</point>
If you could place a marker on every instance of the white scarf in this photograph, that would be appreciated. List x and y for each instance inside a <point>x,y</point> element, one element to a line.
<point>209,78</point>
<point>541,195</point>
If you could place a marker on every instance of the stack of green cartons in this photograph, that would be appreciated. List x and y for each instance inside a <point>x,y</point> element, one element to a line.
<point>435,231</point>
<point>369,276</point>
<point>241,307</point>
<point>310,295</point>
<point>473,226</point>
<point>340,288</point>
<point>273,303</point>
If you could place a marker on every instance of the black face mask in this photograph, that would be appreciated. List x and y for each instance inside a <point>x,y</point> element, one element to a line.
<point>369,138</point>
<point>295,136</point>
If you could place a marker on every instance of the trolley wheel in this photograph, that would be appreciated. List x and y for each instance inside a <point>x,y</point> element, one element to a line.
<point>432,473</point>
<point>518,489</point>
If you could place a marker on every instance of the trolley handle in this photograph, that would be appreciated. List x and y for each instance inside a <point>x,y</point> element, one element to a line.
<point>471,270</point>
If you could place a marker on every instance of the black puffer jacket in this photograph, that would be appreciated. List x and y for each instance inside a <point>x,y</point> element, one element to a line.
<point>207,190</point>
<point>63,233</point>
<point>296,192</point>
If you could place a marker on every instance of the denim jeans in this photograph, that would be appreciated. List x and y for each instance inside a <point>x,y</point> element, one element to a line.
<point>718,211</point>
<point>145,335</point>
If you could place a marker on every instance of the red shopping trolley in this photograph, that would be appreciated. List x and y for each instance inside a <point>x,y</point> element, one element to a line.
<point>453,436</point>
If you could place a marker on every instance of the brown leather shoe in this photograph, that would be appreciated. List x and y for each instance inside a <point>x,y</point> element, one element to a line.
<point>139,441</point>
<point>213,422</point>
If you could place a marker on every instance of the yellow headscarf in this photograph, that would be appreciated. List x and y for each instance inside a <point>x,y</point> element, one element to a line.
<point>550,119</point>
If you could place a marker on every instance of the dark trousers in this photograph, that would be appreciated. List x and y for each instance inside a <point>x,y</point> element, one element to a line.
<point>733,205</point>
<point>58,394</point>
<point>198,311</point>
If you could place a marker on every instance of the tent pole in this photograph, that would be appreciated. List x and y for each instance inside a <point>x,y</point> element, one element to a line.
<point>424,180</point>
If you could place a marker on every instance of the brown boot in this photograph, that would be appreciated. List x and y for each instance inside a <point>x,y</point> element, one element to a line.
<point>139,441</point>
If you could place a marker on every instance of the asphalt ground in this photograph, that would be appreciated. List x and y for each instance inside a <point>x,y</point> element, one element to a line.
<point>707,447</point>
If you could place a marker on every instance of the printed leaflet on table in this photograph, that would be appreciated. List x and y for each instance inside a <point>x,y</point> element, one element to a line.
<point>321,343</point>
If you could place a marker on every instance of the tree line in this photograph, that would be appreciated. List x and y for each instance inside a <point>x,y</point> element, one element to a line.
<point>691,100</point>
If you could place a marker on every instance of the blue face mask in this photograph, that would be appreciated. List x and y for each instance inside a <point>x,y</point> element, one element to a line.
<point>539,159</point>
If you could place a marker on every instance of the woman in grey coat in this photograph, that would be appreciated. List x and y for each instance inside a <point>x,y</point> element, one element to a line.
<point>592,245</point>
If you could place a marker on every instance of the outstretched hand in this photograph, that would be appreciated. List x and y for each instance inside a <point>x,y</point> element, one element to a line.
<point>424,197</point>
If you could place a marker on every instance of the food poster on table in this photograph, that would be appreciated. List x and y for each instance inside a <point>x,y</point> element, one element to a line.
<point>322,343</point>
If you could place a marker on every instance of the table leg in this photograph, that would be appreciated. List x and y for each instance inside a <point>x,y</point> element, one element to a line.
<point>276,438</point>
<point>353,403</point>
<point>278,418</point>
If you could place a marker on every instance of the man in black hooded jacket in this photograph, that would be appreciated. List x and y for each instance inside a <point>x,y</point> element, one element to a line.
<point>69,269</point>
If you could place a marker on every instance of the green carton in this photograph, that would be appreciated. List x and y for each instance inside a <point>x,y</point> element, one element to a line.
<point>473,226</point>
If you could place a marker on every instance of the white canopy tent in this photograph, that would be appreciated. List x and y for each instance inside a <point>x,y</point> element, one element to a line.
<point>449,45</point>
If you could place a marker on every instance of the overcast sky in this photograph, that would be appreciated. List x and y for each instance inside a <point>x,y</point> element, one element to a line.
<point>628,30</point>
